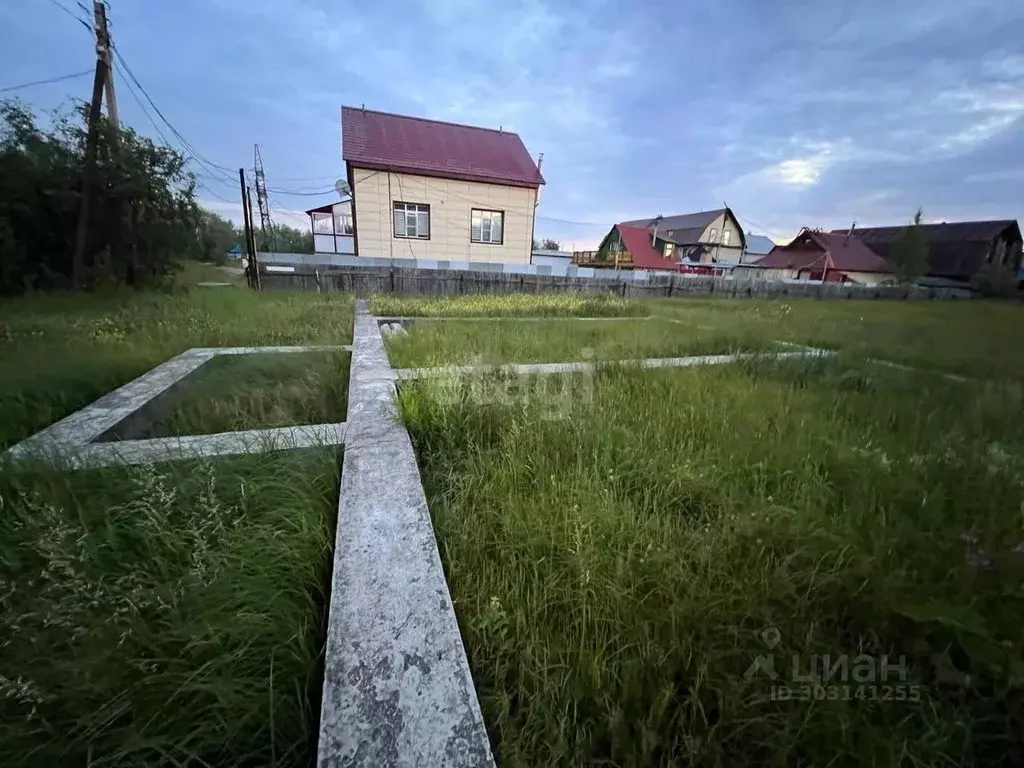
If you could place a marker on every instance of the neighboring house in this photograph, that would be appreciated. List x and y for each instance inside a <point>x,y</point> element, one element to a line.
<point>333,231</point>
<point>707,237</point>
<point>543,258</point>
<point>428,189</point>
<point>813,255</point>
<point>959,250</point>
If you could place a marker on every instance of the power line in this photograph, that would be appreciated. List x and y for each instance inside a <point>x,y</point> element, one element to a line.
<point>758,226</point>
<point>73,15</point>
<point>45,82</point>
<point>303,194</point>
<point>208,164</point>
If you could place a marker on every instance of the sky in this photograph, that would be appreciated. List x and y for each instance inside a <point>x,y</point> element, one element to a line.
<point>802,113</point>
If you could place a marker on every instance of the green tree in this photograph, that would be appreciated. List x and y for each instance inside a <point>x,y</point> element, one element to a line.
<point>909,254</point>
<point>217,236</point>
<point>286,239</point>
<point>143,215</point>
<point>550,245</point>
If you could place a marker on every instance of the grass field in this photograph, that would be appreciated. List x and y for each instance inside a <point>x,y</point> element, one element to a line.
<point>509,305</point>
<point>618,548</point>
<point>59,353</point>
<point>613,570</point>
<point>236,392</point>
<point>976,338</point>
<point>617,561</point>
<point>164,616</point>
<point>171,615</point>
<point>437,343</point>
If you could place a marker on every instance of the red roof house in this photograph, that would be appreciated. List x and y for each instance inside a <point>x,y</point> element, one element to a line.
<point>430,189</point>
<point>815,255</point>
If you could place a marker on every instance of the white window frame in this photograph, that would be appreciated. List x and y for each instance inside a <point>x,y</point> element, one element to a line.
<point>713,235</point>
<point>726,236</point>
<point>418,214</point>
<point>669,250</point>
<point>486,217</point>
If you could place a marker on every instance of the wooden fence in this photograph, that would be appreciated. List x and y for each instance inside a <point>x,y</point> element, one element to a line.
<point>441,282</point>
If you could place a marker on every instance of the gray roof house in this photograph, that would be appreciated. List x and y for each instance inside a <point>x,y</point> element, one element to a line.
<point>705,237</point>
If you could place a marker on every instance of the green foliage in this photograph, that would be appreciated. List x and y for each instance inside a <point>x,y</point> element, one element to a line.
<point>284,239</point>
<point>217,236</point>
<point>236,392</point>
<point>614,570</point>
<point>510,305</point>
<point>143,214</point>
<point>550,245</point>
<point>168,615</point>
<point>909,254</point>
<point>61,352</point>
<point>997,280</point>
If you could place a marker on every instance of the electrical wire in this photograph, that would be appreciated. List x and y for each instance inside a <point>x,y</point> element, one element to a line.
<point>73,15</point>
<point>45,82</point>
<point>302,194</point>
<point>212,167</point>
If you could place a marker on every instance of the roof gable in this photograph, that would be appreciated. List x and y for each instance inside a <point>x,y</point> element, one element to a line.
<point>957,249</point>
<point>380,140</point>
<point>818,250</point>
<point>688,228</point>
<point>638,242</point>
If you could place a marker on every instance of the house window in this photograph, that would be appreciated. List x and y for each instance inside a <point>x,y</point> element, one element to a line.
<point>412,220</point>
<point>343,223</point>
<point>669,247</point>
<point>322,224</point>
<point>726,236</point>
<point>714,235</point>
<point>487,226</point>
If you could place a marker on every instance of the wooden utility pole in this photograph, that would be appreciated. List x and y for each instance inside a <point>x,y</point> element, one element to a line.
<point>78,257</point>
<point>252,271</point>
<point>102,81</point>
<point>103,52</point>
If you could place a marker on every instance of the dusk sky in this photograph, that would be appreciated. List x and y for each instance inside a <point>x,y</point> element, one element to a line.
<point>796,113</point>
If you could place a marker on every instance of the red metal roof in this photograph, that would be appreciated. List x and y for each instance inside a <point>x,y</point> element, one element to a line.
<point>383,141</point>
<point>817,250</point>
<point>638,242</point>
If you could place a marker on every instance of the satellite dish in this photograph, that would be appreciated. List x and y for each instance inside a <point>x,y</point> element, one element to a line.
<point>342,188</point>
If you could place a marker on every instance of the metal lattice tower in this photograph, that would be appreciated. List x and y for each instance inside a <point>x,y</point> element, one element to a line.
<point>262,201</point>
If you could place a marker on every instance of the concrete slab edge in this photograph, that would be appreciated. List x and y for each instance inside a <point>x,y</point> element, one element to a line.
<point>131,452</point>
<point>574,367</point>
<point>397,686</point>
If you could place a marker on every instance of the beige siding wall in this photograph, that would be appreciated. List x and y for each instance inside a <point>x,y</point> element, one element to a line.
<point>450,202</point>
<point>731,252</point>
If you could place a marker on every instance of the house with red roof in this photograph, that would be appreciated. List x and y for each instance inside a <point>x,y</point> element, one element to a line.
<point>428,189</point>
<point>706,242</point>
<point>815,255</point>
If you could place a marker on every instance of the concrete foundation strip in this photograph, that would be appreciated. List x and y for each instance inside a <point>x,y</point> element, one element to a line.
<point>575,367</point>
<point>128,452</point>
<point>72,433</point>
<point>397,686</point>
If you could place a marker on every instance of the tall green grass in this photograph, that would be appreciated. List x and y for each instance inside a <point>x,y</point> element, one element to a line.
<point>236,392</point>
<point>58,353</point>
<point>614,570</point>
<point>980,338</point>
<point>164,616</point>
<point>509,305</point>
<point>429,344</point>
